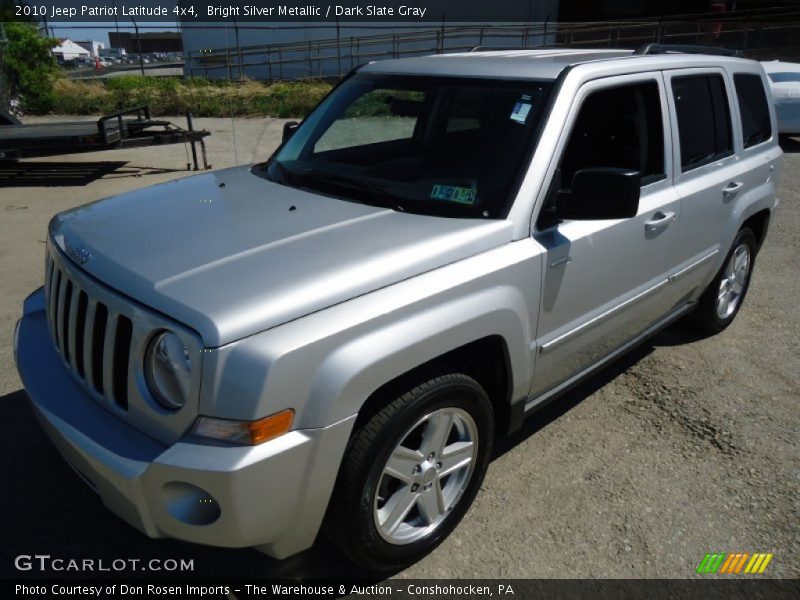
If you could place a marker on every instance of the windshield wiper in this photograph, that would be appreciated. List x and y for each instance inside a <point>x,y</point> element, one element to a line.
<point>378,192</point>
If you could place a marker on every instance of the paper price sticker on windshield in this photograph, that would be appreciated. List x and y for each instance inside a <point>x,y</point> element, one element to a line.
<point>521,109</point>
<point>452,193</point>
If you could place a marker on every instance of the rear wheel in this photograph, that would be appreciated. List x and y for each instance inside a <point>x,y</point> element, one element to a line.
<point>723,298</point>
<point>411,472</point>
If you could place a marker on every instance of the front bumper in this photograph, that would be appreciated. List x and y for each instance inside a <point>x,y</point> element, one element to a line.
<point>272,496</point>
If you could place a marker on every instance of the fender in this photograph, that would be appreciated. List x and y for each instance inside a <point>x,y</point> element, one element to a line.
<point>325,365</point>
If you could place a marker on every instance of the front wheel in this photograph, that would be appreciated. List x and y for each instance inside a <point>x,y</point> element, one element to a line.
<point>411,472</point>
<point>723,298</point>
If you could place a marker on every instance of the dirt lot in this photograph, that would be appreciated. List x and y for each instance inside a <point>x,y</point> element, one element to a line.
<point>684,447</point>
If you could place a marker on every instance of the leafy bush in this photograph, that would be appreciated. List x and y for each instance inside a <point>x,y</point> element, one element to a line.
<point>29,67</point>
<point>175,96</point>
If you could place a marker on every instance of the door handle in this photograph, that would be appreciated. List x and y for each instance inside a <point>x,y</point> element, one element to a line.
<point>732,188</point>
<point>660,219</point>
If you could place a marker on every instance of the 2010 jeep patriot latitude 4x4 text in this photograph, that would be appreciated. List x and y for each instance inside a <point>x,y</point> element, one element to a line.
<point>445,244</point>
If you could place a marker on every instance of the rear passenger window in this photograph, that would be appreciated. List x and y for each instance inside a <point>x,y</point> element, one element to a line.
<point>704,119</point>
<point>617,127</point>
<point>756,126</point>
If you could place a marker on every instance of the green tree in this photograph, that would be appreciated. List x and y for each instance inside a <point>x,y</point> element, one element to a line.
<point>8,11</point>
<point>29,67</point>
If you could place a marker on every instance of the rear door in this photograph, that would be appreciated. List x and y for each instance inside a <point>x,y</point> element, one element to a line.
<point>708,176</point>
<point>605,281</point>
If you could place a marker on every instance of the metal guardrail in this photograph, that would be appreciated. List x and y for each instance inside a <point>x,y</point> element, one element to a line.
<point>336,55</point>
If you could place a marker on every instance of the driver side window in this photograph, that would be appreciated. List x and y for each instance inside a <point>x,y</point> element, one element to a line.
<point>616,127</point>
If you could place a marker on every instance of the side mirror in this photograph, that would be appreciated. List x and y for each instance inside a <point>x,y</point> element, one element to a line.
<point>288,130</point>
<point>600,193</point>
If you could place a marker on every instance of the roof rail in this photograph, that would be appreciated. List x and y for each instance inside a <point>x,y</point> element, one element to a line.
<point>504,48</point>
<point>654,48</point>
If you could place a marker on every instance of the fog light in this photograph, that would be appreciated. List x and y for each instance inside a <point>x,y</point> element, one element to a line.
<point>189,503</point>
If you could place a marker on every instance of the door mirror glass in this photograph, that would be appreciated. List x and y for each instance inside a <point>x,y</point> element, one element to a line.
<point>600,193</point>
<point>288,130</point>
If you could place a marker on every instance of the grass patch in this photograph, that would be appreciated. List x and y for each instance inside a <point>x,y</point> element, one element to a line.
<point>174,96</point>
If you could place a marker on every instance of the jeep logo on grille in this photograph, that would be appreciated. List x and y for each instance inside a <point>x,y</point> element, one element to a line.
<point>79,254</point>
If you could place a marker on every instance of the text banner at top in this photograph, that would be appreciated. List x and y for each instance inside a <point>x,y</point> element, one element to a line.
<point>241,11</point>
<point>186,12</point>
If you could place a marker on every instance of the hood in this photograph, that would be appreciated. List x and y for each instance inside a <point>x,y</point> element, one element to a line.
<point>230,254</point>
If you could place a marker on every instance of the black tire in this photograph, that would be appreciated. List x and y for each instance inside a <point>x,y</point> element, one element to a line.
<point>705,316</point>
<point>351,518</point>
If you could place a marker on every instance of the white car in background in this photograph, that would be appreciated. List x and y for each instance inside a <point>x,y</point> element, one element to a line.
<point>784,80</point>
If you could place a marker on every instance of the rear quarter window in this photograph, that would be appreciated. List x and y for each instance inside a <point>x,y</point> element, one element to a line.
<point>753,108</point>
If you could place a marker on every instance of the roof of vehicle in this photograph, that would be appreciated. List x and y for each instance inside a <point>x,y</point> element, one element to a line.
<point>534,64</point>
<point>776,66</point>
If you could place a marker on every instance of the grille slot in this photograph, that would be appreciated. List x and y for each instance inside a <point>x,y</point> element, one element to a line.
<point>98,345</point>
<point>80,333</point>
<point>94,341</point>
<point>54,298</point>
<point>65,320</point>
<point>122,347</point>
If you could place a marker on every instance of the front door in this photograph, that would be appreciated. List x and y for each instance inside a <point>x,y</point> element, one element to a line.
<point>605,281</point>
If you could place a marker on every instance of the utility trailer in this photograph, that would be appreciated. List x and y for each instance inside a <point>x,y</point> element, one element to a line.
<point>132,128</point>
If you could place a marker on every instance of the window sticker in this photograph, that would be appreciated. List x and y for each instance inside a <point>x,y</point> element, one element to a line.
<point>452,193</point>
<point>521,109</point>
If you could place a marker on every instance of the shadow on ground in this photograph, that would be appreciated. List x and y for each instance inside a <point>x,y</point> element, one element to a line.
<point>69,174</point>
<point>790,145</point>
<point>55,513</point>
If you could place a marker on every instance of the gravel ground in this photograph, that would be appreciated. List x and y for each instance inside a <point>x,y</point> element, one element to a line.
<point>685,446</point>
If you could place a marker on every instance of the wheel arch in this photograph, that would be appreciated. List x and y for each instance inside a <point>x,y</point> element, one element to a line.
<point>485,360</point>
<point>758,223</point>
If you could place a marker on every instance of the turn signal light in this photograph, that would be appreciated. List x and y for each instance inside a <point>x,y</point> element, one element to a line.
<point>245,433</point>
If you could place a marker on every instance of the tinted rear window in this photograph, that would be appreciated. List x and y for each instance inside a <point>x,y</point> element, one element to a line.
<point>704,119</point>
<point>756,126</point>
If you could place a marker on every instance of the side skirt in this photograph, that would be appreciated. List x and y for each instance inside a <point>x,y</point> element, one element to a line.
<point>532,405</point>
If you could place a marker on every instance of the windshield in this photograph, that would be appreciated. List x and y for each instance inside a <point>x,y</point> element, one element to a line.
<point>432,145</point>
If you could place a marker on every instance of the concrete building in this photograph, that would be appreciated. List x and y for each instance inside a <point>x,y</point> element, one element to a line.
<point>209,48</point>
<point>146,42</point>
<point>92,46</point>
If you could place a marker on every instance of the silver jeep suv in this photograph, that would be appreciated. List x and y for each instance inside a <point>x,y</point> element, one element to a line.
<point>443,246</point>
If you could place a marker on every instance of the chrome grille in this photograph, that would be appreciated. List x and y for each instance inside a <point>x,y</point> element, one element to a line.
<point>94,342</point>
<point>102,338</point>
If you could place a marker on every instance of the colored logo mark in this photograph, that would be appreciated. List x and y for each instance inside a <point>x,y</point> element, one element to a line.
<point>736,562</point>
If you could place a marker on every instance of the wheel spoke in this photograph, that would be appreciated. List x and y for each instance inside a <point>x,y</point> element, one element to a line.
<point>431,503</point>
<point>402,462</point>
<point>739,259</point>
<point>437,432</point>
<point>397,508</point>
<point>456,456</point>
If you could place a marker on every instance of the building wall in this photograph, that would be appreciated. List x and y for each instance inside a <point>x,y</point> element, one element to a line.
<point>92,46</point>
<point>157,41</point>
<point>204,36</point>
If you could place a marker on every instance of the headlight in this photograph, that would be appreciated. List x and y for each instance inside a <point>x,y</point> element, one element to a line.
<point>168,370</point>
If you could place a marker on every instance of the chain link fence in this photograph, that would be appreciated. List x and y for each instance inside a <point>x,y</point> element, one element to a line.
<point>763,35</point>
